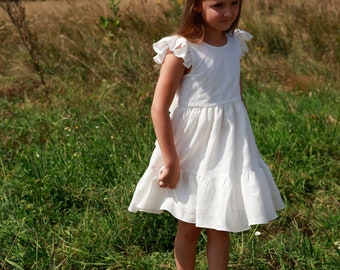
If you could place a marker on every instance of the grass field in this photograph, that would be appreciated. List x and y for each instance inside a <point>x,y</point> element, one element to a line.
<point>72,150</point>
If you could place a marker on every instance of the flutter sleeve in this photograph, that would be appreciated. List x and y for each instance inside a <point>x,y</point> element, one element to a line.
<point>175,44</point>
<point>243,37</point>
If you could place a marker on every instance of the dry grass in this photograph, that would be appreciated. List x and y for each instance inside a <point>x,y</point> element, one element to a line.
<point>295,45</point>
<point>296,42</point>
<point>72,39</point>
<point>47,13</point>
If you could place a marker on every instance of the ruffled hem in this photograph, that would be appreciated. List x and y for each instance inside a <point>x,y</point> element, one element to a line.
<point>238,201</point>
<point>177,45</point>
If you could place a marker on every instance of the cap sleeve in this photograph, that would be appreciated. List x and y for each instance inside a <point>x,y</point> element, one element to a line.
<point>177,45</point>
<point>242,37</point>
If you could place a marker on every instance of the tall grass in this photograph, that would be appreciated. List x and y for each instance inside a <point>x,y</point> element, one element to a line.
<point>68,169</point>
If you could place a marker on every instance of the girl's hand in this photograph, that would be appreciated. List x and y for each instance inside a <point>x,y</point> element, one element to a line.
<point>168,177</point>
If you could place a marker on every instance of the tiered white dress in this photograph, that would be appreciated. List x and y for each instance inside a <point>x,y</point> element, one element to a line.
<point>224,183</point>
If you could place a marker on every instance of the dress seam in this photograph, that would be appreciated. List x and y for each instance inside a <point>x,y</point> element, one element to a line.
<point>234,100</point>
<point>247,171</point>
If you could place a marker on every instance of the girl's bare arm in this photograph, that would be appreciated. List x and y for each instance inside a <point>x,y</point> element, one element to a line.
<point>170,77</point>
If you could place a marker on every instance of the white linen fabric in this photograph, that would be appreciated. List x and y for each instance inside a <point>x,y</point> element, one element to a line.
<point>224,183</point>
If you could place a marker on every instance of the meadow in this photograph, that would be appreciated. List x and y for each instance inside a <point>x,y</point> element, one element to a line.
<point>73,148</point>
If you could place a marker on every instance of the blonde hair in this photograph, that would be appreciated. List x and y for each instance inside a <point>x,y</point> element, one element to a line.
<point>192,24</point>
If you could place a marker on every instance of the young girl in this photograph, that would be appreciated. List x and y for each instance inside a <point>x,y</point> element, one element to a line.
<point>206,169</point>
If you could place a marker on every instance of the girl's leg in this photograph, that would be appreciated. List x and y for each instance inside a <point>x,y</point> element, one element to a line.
<point>218,249</point>
<point>185,245</point>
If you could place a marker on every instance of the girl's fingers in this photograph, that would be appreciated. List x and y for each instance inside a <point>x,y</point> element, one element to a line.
<point>160,171</point>
<point>161,183</point>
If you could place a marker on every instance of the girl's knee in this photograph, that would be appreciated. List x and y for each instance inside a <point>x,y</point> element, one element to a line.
<point>217,234</point>
<point>188,230</point>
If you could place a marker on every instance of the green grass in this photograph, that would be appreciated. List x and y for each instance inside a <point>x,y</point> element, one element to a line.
<point>68,168</point>
<point>67,175</point>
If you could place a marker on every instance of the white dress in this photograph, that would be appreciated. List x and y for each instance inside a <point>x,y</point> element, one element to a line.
<point>224,183</point>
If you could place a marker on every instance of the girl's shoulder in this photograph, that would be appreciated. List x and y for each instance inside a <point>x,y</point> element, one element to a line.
<point>242,37</point>
<point>175,44</point>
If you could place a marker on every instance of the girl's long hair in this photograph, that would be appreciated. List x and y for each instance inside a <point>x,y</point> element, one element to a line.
<point>192,25</point>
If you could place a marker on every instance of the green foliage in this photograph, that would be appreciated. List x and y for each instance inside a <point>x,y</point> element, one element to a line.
<point>68,173</point>
<point>113,21</point>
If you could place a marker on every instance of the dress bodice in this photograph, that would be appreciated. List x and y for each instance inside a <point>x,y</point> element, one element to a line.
<point>214,77</point>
